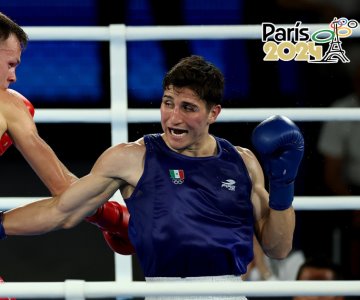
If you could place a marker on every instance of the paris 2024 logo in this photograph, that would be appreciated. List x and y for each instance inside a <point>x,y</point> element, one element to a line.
<point>297,43</point>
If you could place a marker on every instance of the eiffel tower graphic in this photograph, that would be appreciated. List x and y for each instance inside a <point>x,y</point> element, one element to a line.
<point>335,52</point>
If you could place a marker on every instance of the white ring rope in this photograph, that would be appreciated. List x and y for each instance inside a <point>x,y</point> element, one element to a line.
<point>79,289</point>
<point>151,33</point>
<point>117,35</point>
<point>137,115</point>
<point>300,202</point>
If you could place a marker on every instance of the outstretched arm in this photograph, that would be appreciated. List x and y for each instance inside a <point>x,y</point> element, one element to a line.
<point>69,208</point>
<point>23,132</point>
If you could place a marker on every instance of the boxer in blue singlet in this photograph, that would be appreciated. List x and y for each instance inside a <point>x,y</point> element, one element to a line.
<point>217,243</point>
<point>195,200</point>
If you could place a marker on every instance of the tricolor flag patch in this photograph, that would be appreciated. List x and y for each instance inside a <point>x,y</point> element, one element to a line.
<point>177,176</point>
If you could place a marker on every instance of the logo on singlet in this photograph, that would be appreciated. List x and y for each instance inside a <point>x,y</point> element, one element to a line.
<point>229,184</point>
<point>177,176</point>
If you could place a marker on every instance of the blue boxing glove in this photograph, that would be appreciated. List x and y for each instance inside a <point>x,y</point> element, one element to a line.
<point>280,145</point>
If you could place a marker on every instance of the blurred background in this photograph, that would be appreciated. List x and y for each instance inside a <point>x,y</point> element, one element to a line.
<point>76,75</point>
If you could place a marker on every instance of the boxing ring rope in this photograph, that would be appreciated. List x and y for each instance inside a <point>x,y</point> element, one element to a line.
<point>154,33</point>
<point>300,202</point>
<point>119,115</point>
<point>79,289</point>
<point>138,115</point>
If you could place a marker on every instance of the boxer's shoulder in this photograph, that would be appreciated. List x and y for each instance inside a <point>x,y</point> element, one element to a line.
<point>248,157</point>
<point>10,102</point>
<point>129,151</point>
<point>124,160</point>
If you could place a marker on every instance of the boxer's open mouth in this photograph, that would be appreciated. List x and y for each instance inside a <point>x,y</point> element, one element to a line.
<point>178,132</point>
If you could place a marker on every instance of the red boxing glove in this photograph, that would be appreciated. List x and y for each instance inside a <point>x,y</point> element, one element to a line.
<point>113,219</point>
<point>118,243</point>
<point>5,141</point>
<point>1,281</point>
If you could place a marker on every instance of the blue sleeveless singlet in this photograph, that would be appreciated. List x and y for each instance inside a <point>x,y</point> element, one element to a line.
<point>192,216</point>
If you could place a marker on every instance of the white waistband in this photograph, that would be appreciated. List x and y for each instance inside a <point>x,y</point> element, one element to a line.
<point>201,278</point>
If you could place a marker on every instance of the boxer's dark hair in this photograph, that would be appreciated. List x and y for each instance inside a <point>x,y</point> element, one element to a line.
<point>199,75</point>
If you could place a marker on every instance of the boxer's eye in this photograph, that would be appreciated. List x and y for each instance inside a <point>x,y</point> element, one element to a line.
<point>190,107</point>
